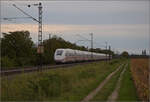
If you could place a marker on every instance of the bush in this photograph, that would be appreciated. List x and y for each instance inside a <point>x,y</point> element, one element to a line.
<point>46,86</point>
<point>7,62</point>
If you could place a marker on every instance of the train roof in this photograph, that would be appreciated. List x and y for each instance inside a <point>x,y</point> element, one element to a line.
<point>86,52</point>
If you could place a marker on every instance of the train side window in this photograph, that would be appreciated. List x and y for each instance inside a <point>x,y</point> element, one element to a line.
<point>67,54</point>
<point>59,52</point>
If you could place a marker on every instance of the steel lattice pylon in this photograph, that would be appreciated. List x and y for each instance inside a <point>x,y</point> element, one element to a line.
<point>40,26</point>
<point>40,43</point>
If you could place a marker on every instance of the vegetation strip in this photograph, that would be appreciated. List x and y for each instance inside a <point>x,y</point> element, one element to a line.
<point>127,91</point>
<point>108,88</point>
<point>114,94</point>
<point>66,84</point>
<point>93,93</point>
<point>31,69</point>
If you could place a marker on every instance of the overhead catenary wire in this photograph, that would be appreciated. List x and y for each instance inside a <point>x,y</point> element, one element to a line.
<point>94,42</point>
<point>25,13</point>
<point>83,37</point>
<point>5,18</point>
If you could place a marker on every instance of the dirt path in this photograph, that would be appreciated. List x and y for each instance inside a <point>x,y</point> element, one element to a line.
<point>114,95</point>
<point>93,93</point>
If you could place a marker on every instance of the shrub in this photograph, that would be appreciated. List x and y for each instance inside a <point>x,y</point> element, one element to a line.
<point>7,62</point>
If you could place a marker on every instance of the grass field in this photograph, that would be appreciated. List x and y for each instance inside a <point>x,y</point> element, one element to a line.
<point>140,73</point>
<point>127,90</point>
<point>70,84</point>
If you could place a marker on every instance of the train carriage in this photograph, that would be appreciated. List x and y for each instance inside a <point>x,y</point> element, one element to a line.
<point>70,55</point>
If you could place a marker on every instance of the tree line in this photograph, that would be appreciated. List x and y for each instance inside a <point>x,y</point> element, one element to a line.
<point>18,49</point>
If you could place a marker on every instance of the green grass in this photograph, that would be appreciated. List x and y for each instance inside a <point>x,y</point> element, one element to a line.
<point>108,88</point>
<point>127,90</point>
<point>70,84</point>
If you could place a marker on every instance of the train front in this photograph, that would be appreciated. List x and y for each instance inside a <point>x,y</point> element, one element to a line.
<point>59,56</point>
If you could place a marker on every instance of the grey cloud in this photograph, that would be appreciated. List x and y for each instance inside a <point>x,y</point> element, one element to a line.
<point>83,12</point>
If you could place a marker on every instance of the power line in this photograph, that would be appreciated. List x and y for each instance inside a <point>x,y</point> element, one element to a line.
<point>94,42</point>
<point>83,37</point>
<point>16,18</point>
<point>25,13</point>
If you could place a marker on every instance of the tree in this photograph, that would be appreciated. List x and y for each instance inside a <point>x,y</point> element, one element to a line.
<point>125,54</point>
<point>18,46</point>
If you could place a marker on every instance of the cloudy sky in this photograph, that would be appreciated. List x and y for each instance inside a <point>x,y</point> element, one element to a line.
<point>123,24</point>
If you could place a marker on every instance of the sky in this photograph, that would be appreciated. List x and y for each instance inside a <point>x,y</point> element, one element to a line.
<point>122,24</point>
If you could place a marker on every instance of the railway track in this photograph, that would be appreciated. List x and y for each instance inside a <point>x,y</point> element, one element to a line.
<point>31,69</point>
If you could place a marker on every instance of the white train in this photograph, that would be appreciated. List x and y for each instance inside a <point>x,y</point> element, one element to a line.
<point>70,55</point>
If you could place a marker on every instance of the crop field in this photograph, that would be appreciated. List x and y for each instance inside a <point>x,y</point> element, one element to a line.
<point>140,73</point>
<point>68,84</point>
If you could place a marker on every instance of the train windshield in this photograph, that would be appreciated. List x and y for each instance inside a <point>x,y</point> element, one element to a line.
<point>59,52</point>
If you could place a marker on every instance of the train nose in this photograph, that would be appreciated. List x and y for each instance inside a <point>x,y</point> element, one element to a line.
<point>59,59</point>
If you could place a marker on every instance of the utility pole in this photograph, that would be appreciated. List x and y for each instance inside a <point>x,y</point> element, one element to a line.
<point>106,51</point>
<point>91,45</point>
<point>109,51</point>
<point>50,43</point>
<point>40,48</point>
<point>40,43</point>
<point>40,28</point>
<point>49,36</point>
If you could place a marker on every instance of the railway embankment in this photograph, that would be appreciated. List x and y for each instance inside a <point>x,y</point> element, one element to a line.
<point>64,84</point>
